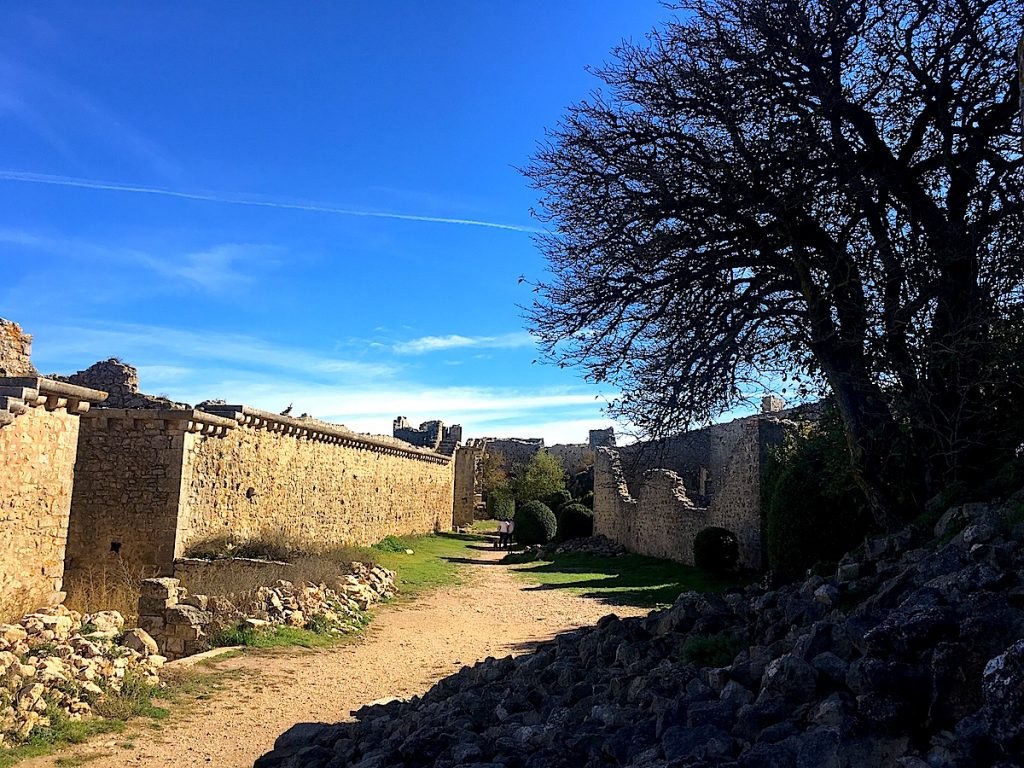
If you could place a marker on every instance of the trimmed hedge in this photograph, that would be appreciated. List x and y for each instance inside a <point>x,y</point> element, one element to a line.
<point>557,500</point>
<point>500,505</point>
<point>535,523</point>
<point>575,521</point>
<point>716,550</point>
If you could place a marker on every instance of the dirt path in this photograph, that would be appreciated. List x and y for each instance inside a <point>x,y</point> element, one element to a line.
<point>406,649</point>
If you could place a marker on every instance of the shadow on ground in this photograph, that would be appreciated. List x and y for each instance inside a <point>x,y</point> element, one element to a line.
<point>628,580</point>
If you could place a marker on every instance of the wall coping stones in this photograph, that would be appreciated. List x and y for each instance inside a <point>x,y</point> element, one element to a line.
<point>322,431</point>
<point>218,420</point>
<point>19,393</point>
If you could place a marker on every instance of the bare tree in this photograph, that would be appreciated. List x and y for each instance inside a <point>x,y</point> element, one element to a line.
<point>821,189</point>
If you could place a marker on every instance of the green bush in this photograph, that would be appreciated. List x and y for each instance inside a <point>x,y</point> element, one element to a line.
<point>542,477</point>
<point>535,523</point>
<point>815,512</point>
<point>575,521</point>
<point>588,499</point>
<point>501,505</point>
<point>715,550</point>
<point>558,499</point>
<point>391,544</point>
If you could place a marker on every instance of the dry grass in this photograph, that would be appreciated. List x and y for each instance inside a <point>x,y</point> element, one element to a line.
<point>294,561</point>
<point>114,588</point>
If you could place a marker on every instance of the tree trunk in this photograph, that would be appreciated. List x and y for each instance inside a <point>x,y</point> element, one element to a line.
<point>879,455</point>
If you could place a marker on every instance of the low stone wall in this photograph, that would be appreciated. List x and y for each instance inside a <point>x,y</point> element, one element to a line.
<point>38,445</point>
<point>194,573</point>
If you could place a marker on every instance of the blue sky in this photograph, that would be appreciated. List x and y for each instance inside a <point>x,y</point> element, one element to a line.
<point>197,188</point>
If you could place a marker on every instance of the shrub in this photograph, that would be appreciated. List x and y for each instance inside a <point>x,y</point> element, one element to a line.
<point>815,512</point>
<point>715,550</point>
<point>575,521</point>
<point>391,544</point>
<point>535,523</point>
<point>542,476</point>
<point>558,499</point>
<point>501,505</point>
<point>588,499</point>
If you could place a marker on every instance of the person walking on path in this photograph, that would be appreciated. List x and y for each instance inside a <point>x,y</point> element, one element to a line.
<point>509,530</point>
<point>499,543</point>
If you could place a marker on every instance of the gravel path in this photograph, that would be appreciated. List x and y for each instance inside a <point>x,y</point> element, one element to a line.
<point>406,649</point>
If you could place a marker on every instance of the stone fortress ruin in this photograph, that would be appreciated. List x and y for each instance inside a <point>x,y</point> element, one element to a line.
<point>141,480</point>
<point>100,475</point>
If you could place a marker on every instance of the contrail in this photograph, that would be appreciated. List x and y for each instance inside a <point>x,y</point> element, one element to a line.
<point>71,181</point>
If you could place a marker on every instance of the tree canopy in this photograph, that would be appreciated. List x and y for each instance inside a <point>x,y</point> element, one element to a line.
<point>829,190</point>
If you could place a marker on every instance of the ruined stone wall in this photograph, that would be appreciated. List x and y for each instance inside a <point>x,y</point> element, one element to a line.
<point>127,492</point>
<point>575,458</point>
<point>15,350</point>
<point>259,482</point>
<point>121,383</point>
<point>654,498</point>
<point>38,450</point>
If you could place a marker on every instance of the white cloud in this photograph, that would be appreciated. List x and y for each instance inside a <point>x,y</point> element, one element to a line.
<point>213,269</point>
<point>426,344</point>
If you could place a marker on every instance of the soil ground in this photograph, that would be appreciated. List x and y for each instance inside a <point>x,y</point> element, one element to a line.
<point>407,648</point>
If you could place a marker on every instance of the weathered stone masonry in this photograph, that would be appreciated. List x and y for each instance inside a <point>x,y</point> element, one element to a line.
<point>39,421</point>
<point>153,482</point>
<point>653,498</point>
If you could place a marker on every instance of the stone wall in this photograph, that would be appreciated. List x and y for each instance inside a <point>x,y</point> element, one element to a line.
<point>153,483</point>
<point>38,444</point>
<point>575,457</point>
<point>653,498</point>
<point>430,434</point>
<point>121,383</point>
<point>467,485</point>
<point>255,481</point>
<point>127,491</point>
<point>15,350</point>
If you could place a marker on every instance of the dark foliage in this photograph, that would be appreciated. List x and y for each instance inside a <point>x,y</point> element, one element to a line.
<point>558,499</point>
<point>815,511</point>
<point>575,521</point>
<point>535,523</point>
<point>716,550</point>
<point>501,505</point>
<point>831,188</point>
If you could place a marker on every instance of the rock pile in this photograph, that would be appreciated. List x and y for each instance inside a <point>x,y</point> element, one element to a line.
<point>184,624</point>
<point>601,546</point>
<point>910,656</point>
<point>56,662</point>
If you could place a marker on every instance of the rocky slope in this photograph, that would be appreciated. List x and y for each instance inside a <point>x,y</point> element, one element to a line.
<point>912,655</point>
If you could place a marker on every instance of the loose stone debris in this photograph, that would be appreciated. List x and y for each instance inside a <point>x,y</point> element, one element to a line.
<point>184,624</point>
<point>910,656</point>
<point>57,663</point>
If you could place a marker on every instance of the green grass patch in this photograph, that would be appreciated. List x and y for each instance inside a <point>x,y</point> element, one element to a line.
<point>634,580</point>
<point>274,637</point>
<point>435,562</point>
